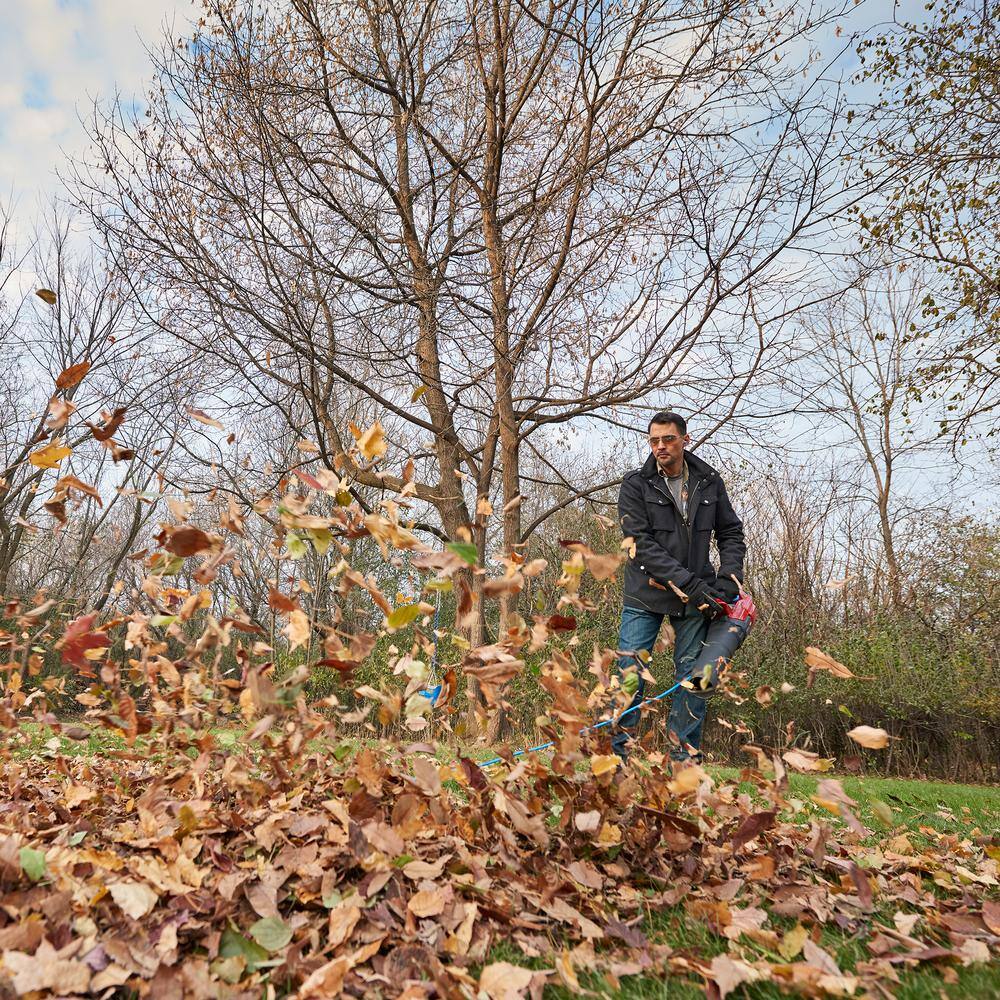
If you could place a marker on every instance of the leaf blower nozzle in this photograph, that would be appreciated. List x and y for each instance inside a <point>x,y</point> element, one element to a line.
<point>725,635</point>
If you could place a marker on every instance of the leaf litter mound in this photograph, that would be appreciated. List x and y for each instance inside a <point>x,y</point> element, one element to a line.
<point>342,846</point>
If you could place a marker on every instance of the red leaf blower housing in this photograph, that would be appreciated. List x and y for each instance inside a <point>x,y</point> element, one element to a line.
<point>725,635</point>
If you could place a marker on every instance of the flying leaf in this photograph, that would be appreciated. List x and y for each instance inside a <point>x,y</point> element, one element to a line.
<point>806,760</point>
<point>417,393</point>
<point>79,639</point>
<point>60,410</point>
<point>47,295</point>
<point>297,629</point>
<point>466,551</point>
<point>816,660</point>
<point>867,736</point>
<point>49,456</point>
<point>882,810</point>
<point>604,764</point>
<point>203,418</point>
<point>72,376</point>
<point>402,616</point>
<point>70,483</point>
<point>111,424</point>
<point>187,540</point>
<point>371,443</point>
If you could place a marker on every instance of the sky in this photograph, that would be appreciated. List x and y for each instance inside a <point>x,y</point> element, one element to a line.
<point>56,56</point>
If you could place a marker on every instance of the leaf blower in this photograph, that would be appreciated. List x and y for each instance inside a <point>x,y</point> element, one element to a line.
<point>725,635</point>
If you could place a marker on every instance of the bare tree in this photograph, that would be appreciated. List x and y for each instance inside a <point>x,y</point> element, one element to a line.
<point>855,382</point>
<point>83,426</point>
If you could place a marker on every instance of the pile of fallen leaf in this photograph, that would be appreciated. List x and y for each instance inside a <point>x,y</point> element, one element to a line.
<point>290,860</point>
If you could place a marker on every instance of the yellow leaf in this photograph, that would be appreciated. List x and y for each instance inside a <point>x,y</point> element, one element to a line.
<point>882,810</point>
<point>828,804</point>
<point>792,942</point>
<point>687,780</point>
<point>564,967</point>
<point>402,616</point>
<point>49,456</point>
<point>371,442</point>
<point>604,763</point>
<point>610,835</point>
<point>247,708</point>
<point>417,393</point>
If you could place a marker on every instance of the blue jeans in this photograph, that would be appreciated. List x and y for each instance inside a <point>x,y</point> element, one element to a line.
<point>639,630</point>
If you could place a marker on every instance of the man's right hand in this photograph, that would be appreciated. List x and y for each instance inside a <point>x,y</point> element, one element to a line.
<point>708,601</point>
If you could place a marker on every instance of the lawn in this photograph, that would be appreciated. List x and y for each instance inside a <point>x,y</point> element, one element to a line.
<point>926,809</point>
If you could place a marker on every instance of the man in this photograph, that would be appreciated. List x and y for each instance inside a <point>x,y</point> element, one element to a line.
<point>671,507</point>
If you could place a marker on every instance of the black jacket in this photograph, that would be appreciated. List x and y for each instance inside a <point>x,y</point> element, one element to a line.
<point>668,550</point>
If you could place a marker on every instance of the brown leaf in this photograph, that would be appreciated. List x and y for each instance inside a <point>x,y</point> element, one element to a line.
<point>135,899</point>
<point>816,659</point>
<point>111,424</point>
<point>991,915</point>
<point>752,827</point>
<point>186,540</point>
<point>47,295</point>
<point>728,973</point>
<point>427,903</point>
<point>72,376</point>
<point>70,483</point>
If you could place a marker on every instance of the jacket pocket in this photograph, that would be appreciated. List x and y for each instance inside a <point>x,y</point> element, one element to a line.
<point>662,515</point>
<point>704,516</point>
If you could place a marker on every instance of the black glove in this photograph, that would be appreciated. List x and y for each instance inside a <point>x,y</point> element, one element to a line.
<point>728,589</point>
<point>705,599</point>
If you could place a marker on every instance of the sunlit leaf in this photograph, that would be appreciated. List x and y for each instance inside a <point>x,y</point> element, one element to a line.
<point>49,456</point>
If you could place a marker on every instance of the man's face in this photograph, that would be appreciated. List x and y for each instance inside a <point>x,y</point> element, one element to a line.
<point>668,443</point>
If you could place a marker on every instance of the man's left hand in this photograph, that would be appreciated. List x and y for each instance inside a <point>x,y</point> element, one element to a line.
<point>728,590</point>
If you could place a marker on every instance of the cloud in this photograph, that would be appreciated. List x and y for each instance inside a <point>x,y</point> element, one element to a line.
<point>57,57</point>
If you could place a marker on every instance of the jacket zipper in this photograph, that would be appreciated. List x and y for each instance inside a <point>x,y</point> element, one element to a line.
<point>691,500</point>
<point>692,509</point>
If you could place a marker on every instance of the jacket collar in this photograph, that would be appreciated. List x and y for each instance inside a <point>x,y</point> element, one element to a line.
<point>696,467</point>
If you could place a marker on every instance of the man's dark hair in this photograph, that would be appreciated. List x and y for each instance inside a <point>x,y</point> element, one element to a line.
<point>668,417</point>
